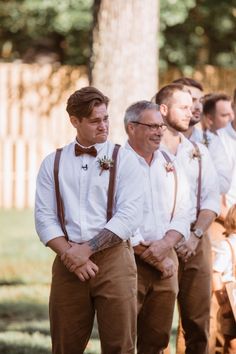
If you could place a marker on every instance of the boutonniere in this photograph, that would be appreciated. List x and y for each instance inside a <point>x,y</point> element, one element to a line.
<point>195,154</point>
<point>169,167</point>
<point>105,164</point>
<point>206,139</point>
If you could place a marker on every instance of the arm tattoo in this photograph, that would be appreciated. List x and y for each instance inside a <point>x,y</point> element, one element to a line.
<point>103,240</point>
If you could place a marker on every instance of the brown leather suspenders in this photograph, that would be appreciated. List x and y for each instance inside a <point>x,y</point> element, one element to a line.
<point>60,209</point>
<point>111,188</point>
<point>199,178</point>
<point>168,160</point>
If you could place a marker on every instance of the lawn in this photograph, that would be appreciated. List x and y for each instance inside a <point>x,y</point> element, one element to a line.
<point>25,266</point>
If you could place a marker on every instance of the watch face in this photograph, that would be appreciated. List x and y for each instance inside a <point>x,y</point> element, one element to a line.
<point>198,233</point>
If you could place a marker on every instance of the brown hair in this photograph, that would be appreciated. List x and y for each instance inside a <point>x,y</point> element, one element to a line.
<point>230,221</point>
<point>164,95</point>
<point>187,81</point>
<point>210,100</point>
<point>81,103</point>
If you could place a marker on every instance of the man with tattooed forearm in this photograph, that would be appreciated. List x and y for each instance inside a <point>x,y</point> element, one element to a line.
<point>89,202</point>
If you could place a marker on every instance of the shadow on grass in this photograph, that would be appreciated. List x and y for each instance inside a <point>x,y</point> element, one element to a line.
<point>23,311</point>
<point>6,348</point>
<point>11,282</point>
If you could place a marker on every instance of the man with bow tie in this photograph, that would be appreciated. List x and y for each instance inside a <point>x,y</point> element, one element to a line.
<point>88,226</point>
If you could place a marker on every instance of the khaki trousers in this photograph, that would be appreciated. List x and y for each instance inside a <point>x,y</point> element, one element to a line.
<point>194,298</point>
<point>112,294</point>
<point>156,302</point>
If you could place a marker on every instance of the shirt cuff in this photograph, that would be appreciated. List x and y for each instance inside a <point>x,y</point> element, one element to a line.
<point>118,228</point>
<point>136,238</point>
<point>213,206</point>
<point>49,233</point>
<point>183,229</point>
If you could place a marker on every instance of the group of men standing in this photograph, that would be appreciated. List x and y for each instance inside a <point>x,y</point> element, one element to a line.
<point>129,224</point>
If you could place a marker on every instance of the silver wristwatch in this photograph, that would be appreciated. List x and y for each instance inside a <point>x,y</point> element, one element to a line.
<point>198,233</point>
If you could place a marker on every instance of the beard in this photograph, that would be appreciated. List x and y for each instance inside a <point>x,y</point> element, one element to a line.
<point>177,126</point>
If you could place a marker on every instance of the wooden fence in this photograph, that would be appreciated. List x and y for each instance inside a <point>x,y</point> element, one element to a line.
<point>33,121</point>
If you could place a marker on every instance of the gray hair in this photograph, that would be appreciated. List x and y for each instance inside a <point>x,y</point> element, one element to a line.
<point>134,112</point>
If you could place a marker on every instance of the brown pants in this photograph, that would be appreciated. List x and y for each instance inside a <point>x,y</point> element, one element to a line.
<point>112,294</point>
<point>194,298</point>
<point>156,302</point>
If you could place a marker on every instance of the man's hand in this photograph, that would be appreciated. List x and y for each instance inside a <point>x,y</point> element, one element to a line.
<point>157,250</point>
<point>186,249</point>
<point>76,256</point>
<point>139,249</point>
<point>167,267</point>
<point>86,271</point>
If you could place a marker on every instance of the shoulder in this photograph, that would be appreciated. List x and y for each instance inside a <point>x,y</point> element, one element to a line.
<point>50,158</point>
<point>126,155</point>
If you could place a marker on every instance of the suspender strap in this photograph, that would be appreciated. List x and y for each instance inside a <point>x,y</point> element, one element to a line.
<point>167,158</point>
<point>60,210</point>
<point>199,178</point>
<point>111,186</point>
<point>233,257</point>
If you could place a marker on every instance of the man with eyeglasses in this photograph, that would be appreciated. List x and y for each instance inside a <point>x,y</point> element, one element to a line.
<point>194,255</point>
<point>165,222</point>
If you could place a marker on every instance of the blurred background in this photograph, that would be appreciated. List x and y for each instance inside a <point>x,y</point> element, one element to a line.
<point>48,49</point>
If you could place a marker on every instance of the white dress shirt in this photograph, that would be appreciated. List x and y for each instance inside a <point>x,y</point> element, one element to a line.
<point>228,137</point>
<point>210,195</point>
<point>84,195</point>
<point>218,155</point>
<point>159,192</point>
<point>223,258</point>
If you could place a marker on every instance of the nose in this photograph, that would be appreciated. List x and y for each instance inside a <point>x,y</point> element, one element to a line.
<point>102,125</point>
<point>189,112</point>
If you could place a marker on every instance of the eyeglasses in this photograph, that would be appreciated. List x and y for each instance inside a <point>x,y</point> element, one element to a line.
<point>153,127</point>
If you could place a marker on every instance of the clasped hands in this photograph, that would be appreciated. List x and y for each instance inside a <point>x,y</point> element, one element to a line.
<point>76,259</point>
<point>156,254</point>
<point>187,249</point>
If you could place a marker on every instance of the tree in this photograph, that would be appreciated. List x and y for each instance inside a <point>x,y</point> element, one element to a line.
<point>56,28</point>
<point>198,32</point>
<point>124,60</point>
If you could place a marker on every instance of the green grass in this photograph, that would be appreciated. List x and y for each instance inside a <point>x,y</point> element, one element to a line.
<point>25,271</point>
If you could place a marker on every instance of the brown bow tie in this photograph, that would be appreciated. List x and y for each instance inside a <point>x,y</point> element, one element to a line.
<point>79,150</point>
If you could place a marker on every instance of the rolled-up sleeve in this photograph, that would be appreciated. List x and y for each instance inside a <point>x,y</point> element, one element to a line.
<point>128,208</point>
<point>181,217</point>
<point>46,221</point>
<point>221,163</point>
<point>210,193</point>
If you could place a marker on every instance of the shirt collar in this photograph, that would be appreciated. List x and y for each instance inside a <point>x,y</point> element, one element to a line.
<point>141,159</point>
<point>98,147</point>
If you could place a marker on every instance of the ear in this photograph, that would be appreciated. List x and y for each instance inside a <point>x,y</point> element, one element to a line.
<point>163,109</point>
<point>74,121</point>
<point>209,120</point>
<point>130,129</point>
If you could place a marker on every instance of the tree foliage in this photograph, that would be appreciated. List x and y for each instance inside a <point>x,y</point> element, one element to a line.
<point>59,27</point>
<point>192,32</point>
<point>198,32</point>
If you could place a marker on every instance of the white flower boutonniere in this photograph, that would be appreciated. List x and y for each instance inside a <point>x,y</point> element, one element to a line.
<point>169,167</point>
<point>195,154</point>
<point>105,164</point>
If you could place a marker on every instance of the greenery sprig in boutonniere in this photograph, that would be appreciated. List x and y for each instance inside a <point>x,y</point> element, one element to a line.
<point>195,154</point>
<point>169,167</point>
<point>206,139</point>
<point>105,164</point>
